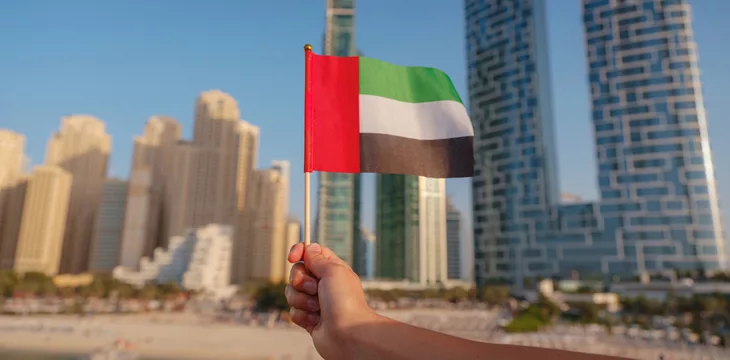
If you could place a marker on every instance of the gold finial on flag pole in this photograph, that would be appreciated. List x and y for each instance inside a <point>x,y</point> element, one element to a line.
<point>307,47</point>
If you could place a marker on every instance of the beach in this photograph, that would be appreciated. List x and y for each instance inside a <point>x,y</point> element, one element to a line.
<point>154,336</point>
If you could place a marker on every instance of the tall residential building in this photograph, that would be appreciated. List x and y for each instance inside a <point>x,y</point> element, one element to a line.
<point>213,191</point>
<point>44,219</point>
<point>293,236</point>
<point>151,202</point>
<point>411,228</point>
<point>658,209</point>
<point>81,147</point>
<point>12,193</point>
<point>659,201</point>
<point>514,183</point>
<point>367,249</point>
<point>109,224</point>
<point>453,241</point>
<point>261,253</point>
<point>338,212</point>
<point>136,224</point>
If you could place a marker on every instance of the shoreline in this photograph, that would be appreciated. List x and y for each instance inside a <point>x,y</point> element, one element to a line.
<point>156,336</point>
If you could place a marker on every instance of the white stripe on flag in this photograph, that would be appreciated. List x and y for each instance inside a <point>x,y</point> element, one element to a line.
<point>422,121</point>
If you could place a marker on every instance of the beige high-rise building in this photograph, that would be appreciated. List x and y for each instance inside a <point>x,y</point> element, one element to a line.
<point>44,219</point>
<point>179,190</point>
<point>213,187</point>
<point>150,204</point>
<point>260,253</point>
<point>293,236</point>
<point>248,149</point>
<point>81,147</point>
<point>12,193</point>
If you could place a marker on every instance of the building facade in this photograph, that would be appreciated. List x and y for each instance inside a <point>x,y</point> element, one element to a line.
<point>659,201</point>
<point>658,209</point>
<point>109,225</point>
<point>44,219</point>
<point>164,266</point>
<point>367,249</point>
<point>12,193</point>
<point>209,270</point>
<point>453,241</point>
<point>514,183</point>
<point>293,236</point>
<point>261,253</point>
<point>411,228</point>
<point>150,202</point>
<point>338,211</point>
<point>81,147</point>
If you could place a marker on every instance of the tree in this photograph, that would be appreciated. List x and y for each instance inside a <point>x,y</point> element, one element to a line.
<point>494,295</point>
<point>148,292</point>
<point>8,282</point>
<point>271,297</point>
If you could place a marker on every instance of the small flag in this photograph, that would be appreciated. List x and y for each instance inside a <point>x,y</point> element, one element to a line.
<point>366,115</point>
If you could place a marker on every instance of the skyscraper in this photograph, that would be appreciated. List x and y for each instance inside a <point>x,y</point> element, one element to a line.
<point>367,251</point>
<point>411,228</point>
<point>453,241</point>
<point>44,219</point>
<point>293,236</point>
<point>658,209</point>
<point>151,203</point>
<point>514,183</point>
<point>12,193</point>
<point>338,212</point>
<point>213,191</point>
<point>109,225</point>
<point>261,253</point>
<point>81,147</point>
<point>655,172</point>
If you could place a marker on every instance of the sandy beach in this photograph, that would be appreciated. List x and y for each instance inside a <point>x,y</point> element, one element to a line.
<point>165,336</point>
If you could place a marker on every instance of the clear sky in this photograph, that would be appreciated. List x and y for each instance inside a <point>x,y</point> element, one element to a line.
<point>124,61</point>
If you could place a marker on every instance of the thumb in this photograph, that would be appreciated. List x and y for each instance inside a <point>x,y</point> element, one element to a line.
<point>318,259</point>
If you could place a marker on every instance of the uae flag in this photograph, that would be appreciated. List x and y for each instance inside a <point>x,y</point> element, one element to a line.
<point>366,115</point>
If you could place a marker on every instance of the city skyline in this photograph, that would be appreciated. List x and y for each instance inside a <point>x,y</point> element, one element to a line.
<point>380,34</point>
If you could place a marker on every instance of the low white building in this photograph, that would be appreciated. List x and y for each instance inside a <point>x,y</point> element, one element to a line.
<point>200,261</point>
<point>209,269</point>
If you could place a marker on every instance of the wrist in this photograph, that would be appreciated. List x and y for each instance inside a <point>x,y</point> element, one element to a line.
<point>359,335</point>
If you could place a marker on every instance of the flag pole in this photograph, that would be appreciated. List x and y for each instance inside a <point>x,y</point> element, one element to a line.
<point>307,172</point>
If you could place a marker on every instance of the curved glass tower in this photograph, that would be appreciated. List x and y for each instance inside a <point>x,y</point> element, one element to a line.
<point>658,210</point>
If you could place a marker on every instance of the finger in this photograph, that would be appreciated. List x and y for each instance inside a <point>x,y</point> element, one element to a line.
<point>296,253</point>
<point>318,259</point>
<point>300,300</point>
<point>307,320</point>
<point>300,280</point>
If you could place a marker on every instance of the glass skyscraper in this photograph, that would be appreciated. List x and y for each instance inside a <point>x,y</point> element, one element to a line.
<point>411,229</point>
<point>655,171</point>
<point>514,184</point>
<point>338,215</point>
<point>658,209</point>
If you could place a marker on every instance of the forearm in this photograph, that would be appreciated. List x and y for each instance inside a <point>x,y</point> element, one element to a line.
<point>384,338</point>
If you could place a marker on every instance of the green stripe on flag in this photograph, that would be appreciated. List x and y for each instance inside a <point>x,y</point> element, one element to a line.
<point>403,83</point>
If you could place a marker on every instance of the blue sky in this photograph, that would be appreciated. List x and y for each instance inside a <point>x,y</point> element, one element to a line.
<point>124,61</point>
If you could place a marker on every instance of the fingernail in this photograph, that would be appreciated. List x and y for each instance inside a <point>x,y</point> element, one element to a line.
<point>313,319</point>
<point>310,287</point>
<point>312,304</point>
<point>315,248</point>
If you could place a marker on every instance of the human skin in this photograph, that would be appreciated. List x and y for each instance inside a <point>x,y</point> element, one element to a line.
<point>327,300</point>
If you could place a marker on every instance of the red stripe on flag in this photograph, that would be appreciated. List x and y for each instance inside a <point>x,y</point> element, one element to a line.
<point>331,114</point>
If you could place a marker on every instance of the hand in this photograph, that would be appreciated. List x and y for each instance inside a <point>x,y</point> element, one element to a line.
<point>326,297</point>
